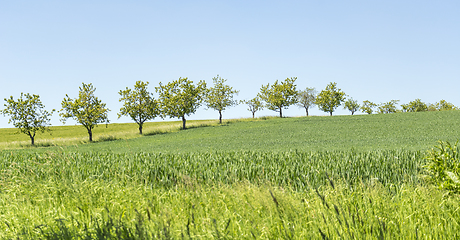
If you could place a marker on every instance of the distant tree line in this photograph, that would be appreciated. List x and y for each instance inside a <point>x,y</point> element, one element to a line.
<point>181,98</point>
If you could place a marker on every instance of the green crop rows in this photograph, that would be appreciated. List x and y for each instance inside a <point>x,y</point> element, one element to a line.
<point>297,170</point>
<point>191,185</point>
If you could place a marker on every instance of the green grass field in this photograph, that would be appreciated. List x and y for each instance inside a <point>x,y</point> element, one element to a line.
<point>10,138</point>
<point>341,177</point>
<point>411,131</point>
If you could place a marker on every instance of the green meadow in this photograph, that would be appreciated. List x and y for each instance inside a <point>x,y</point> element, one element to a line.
<point>10,138</point>
<point>410,131</point>
<point>340,177</point>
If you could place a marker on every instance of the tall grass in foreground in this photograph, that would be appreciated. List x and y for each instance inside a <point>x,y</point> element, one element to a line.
<point>98,210</point>
<point>224,195</point>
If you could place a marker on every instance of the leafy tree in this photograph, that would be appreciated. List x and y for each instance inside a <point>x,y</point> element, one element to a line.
<point>388,107</point>
<point>444,105</point>
<point>307,98</point>
<point>330,98</point>
<point>254,105</point>
<point>351,105</point>
<point>368,107</point>
<point>87,109</point>
<point>220,96</point>
<point>432,107</point>
<point>138,104</point>
<point>27,114</point>
<point>279,95</point>
<point>180,98</point>
<point>415,106</point>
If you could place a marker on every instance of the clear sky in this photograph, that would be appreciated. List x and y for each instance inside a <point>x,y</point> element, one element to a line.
<point>374,50</point>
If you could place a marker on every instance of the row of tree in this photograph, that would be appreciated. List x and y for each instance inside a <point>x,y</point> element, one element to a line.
<point>181,98</point>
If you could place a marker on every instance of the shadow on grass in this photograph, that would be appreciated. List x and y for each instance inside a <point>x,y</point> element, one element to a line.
<point>198,126</point>
<point>107,139</point>
<point>37,145</point>
<point>155,132</point>
<point>267,117</point>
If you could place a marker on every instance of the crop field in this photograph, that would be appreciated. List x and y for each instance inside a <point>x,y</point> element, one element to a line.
<point>410,131</point>
<point>341,177</point>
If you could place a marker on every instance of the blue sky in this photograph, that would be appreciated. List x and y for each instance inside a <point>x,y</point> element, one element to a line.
<point>374,50</point>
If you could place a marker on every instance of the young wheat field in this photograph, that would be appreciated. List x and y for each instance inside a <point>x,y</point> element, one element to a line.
<point>340,177</point>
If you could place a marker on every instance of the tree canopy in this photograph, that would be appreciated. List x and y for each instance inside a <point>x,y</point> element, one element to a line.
<point>330,98</point>
<point>220,97</point>
<point>307,99</point>
<point>368,107</point>
<point>138,104</point>
<point>415,106</point>
<point>87,109</point>
<point>180,98</point>
<point>27,114</point>
<point>388,107</point>
<point>254,105</point>
<point>279,95</point>
<point>352,105</point>
<point>442,105</point>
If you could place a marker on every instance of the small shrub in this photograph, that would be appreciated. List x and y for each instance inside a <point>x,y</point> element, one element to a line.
<point>444,166</point>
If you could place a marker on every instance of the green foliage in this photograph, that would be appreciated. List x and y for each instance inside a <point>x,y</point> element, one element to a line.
<point>351,105</point>
<point>443,105</point>
<point>87,109</point>
<point>298,195</point>
<point>138,104</point>
<point>415,106</point>
<point>27,114</point>
<point>388,107</point>
<point>254,105</point>
<point>220,97</point>
<point>307,99</point>
<point>444,166</point>
<point>368,107</point>
<point>330,98</point>
<point>279,95</point>
<point>180,98</point>
<point>431,107</point>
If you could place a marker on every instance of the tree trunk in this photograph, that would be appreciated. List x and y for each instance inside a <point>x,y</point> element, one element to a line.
<point>220,117</point>
<point>330,113</point>
<point>90,133</point>
<point>32,137</point>
<point>183,122</point>
<point>253,114</point>
<point>306,110</point>
<point>352,112</point>
<point>281,112</point>
<point>140,129</point>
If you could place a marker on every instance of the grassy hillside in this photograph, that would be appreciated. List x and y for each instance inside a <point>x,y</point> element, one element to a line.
<point>412,131</point>
<point>340,177</point>
<point>70,135</point>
